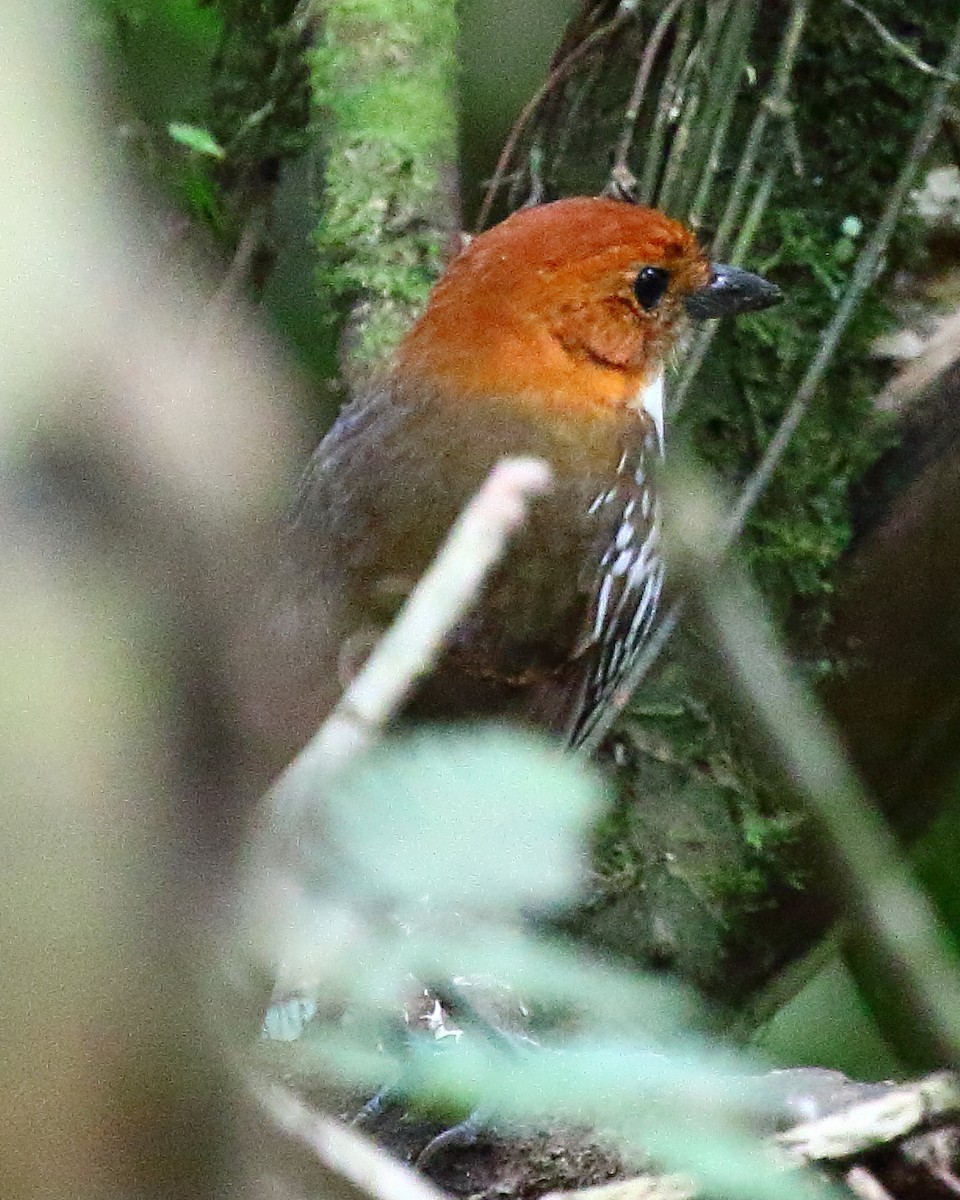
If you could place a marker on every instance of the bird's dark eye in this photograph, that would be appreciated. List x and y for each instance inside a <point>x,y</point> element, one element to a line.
<point>649,286</point>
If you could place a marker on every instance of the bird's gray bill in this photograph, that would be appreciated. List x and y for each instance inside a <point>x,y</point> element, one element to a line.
<point>730,291</point>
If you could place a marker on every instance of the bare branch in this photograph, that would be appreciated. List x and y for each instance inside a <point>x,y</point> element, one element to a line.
<point>897,45</point>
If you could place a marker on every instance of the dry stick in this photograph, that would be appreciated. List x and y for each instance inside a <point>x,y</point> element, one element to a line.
<point>665,101</point>
<point>409,648</point>
<point>341,1150</point>
<point>896,45</point>
<point>728,91</point>
<point>640,87</point>
<point>557,76</point>
<point>694,114</point>
<point>863,274</point>
<point>876,1121</point>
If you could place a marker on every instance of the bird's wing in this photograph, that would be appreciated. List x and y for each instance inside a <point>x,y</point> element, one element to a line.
<point>624,587</point>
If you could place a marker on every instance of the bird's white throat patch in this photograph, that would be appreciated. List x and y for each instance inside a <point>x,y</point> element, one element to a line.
<point>650,400</point>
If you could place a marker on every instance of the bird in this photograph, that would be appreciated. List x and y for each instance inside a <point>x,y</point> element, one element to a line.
<point>547,335</point>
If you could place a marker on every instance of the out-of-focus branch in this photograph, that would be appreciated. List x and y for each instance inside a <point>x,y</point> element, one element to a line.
<point>938,353</point>
<point>872,885</point>
<point>339,1151</point>
<point>139,464</point>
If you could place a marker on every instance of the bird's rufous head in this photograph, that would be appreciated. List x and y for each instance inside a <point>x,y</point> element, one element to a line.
<point>576,304</point>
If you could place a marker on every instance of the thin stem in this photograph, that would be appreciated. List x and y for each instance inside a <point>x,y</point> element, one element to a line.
<point>774,102</point>
<point>678,147</point>
<point>640,85</point>
<point>872,883</point>
<point>721,54</point>
<point>706,334</point>
<point>557,76</point>
<point>863,274</point>
<point>668,92</point>
<point>722,108</point>
<point>896,45</point>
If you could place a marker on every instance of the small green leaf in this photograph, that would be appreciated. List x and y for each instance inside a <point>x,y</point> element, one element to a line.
<point>487,815</point>
<point>196,138</point>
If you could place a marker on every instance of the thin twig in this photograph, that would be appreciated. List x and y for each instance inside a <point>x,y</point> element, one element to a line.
<point>665,102</point>
<point>704,337</point>
<point>412,643</point>
<point>640,85</point>
<point>863,274</point>
<point>341,1150</point>
<point>711,81</point>
<point>897,45</point>
<point>679,142</point>
<point>775,101</point>
<point>723,102</point>
<point>557,76</point>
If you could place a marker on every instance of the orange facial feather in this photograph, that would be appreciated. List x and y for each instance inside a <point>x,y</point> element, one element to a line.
<point>545,301</point>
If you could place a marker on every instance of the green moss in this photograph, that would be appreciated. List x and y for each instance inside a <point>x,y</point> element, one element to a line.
<point>384,75</point>
<point>855,113</point>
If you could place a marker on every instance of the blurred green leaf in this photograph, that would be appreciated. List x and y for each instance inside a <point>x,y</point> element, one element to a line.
<point>196,138</point>
<point>481,815</point>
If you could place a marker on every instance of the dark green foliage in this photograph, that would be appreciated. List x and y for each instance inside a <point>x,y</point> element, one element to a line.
<point>260,107</point>
<point>161,54</point>
<point>855,110</point>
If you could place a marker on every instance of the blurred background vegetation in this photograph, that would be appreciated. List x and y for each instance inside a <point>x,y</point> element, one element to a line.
<point>217,218</point>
